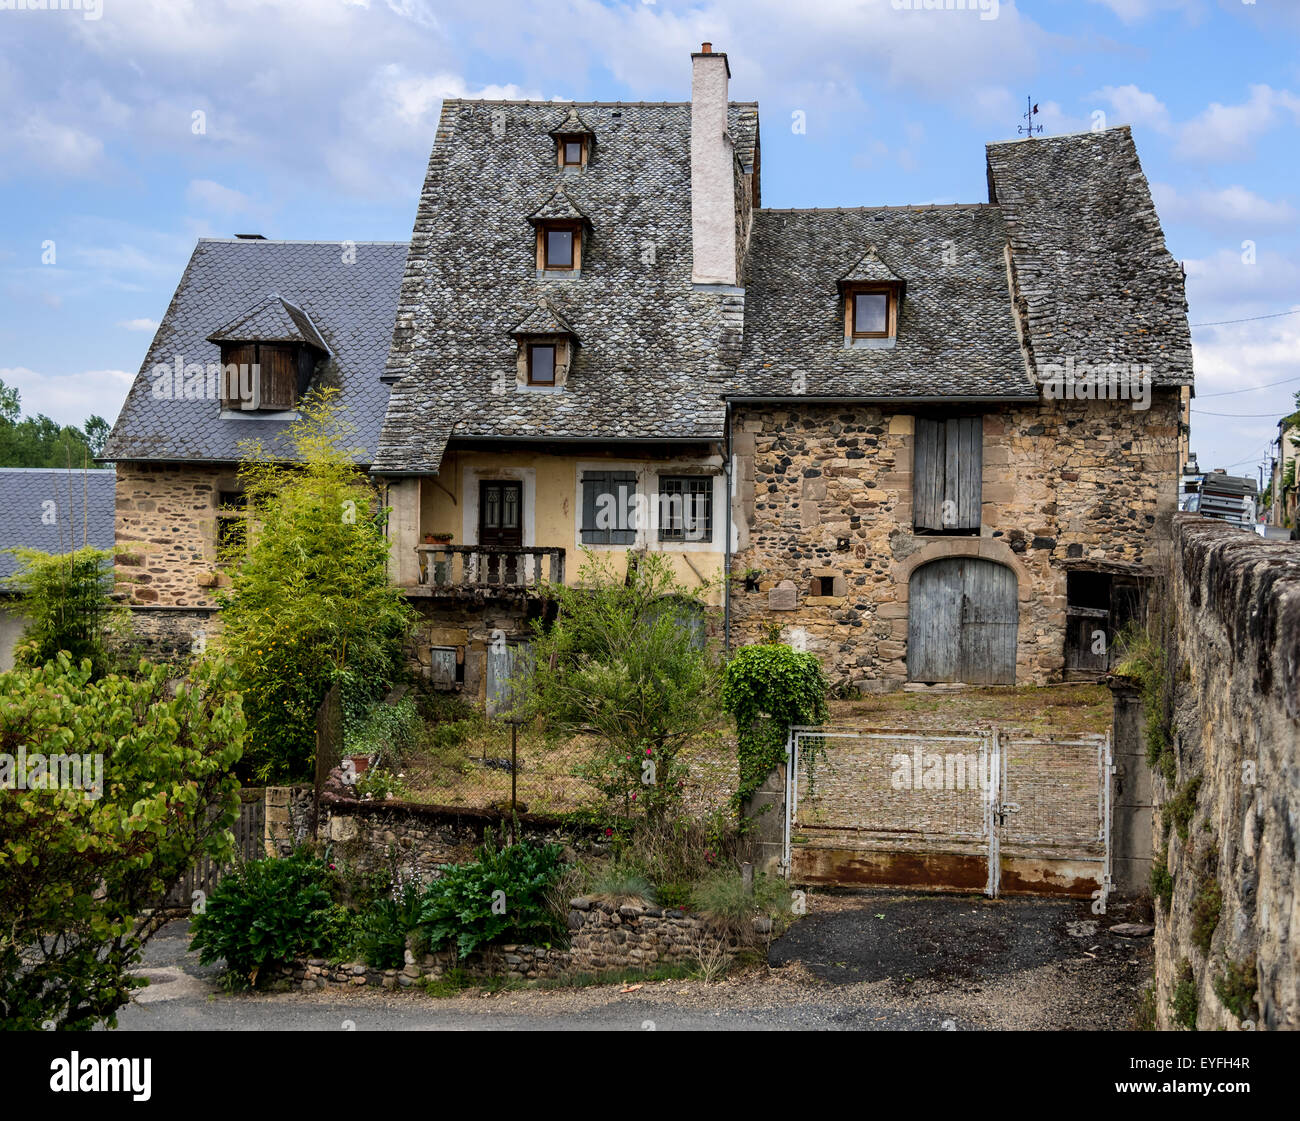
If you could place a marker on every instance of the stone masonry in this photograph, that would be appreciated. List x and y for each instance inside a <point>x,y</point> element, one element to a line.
<point>826,490</point>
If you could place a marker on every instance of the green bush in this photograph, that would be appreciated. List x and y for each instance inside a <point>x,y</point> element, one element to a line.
<point>265,913</point>
<point>1162,880</point>
<point>619,883</point>
<point>462,908</point>
<point>767,689</point>
<point>1206,908</point>
<point>66,600</point>
<point>378,784</point>
<point>78,867</point>
<point>380,931</point>
<point>1182,806</point>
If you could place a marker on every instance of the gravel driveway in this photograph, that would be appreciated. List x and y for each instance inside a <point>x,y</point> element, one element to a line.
<point>866,960</point>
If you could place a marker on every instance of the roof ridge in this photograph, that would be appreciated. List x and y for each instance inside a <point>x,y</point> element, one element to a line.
<point>297,241</point>
<point>892,206</point>
<point>585,104</point>
<point>66,470</point>
<point>1060,136</point>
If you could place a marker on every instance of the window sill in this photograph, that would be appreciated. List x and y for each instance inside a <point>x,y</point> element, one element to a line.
<point>559,274</point>
<point>256,414</point>
<point>868,344</point>
<point>524,387</point>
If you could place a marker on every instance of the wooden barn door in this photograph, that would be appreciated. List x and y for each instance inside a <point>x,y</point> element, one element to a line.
<point>962,622</point>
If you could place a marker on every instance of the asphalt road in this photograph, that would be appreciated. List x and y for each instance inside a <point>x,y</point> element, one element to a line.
<point>870,961</point>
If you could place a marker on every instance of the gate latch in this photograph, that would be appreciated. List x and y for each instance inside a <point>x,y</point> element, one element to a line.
<point>1010,807</point>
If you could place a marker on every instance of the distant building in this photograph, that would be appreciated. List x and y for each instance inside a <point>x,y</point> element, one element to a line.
<point>53,510</point>
<point>1216,494</point>
<point>1282,508</point>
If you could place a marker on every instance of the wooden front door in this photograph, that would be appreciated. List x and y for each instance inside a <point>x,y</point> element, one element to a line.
<point>963,619</point>
<point>500,525</point>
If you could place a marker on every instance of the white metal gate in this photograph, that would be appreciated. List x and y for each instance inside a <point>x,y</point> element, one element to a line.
<point>963,811</point>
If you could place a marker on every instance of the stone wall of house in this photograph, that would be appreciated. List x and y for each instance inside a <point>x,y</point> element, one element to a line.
<point>166,525</point>
<point>1235,659</point>
<point>169,634</point>
<point>469,624</point>
<point>604,938</point>
<point>826,490</point>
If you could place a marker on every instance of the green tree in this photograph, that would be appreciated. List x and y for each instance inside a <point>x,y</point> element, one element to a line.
<point>67,601</point>
<point>310,603</point>
<point>80,866</point>
<point>625,660</point>
<point>41,442</point>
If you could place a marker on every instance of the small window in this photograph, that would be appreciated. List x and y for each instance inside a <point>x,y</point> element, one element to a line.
<point>871,315</point>
<point>541,364</point>
<point>232,525</point>
<point>685,508</point>
<point>571,151</point>
<point>558,247</point>
<point>608,507</point>
<point>947,475</point>
<point>823,585</point>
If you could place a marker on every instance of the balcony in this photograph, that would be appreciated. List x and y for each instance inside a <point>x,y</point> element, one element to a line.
<point>480,571</point>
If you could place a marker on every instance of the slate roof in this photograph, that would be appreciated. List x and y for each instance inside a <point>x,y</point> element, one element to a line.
<point>1095,280</point>
<point>655,350</point>
<point>274,320</point>
<point>351,306</point>
<point>956,332</point>
<point>544,320</point>
<point>84,506</point>
<point>870,269</point>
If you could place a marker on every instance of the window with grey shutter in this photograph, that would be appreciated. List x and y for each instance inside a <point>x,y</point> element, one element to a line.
<point>947,474</point>
<point>608,504</point>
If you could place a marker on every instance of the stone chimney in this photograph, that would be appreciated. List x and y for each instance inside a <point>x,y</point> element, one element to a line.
<point>713,198</point>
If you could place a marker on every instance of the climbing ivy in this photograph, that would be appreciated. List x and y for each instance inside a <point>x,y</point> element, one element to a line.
<point>766,689</point>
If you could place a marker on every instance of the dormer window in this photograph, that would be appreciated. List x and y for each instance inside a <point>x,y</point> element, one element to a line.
<point>873,296</point>
<point>560,245</point>
<point>546,345</point>
<point>871,314</point>
<point>572,151</point>
<point>268,357</point>
<point>541,363</point>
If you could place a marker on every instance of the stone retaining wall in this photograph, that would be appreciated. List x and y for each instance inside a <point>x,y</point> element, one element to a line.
<point>1236,731</point>
<point>604,939</point>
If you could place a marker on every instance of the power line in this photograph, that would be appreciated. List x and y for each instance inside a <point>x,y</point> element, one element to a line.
<point>1230,392</point>
<point>1240,416</point>
<point>1248,319</point>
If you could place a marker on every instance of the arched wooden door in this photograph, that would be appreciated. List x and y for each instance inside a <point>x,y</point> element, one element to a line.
<point>962,622</point>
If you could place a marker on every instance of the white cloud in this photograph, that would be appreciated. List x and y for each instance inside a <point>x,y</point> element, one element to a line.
<point>1235,207</point>
<point>1134,106</point>
<point>139,324</point>
<point>211,195</point>
<point>1223,133</point>
<point>1131,11</point>
<point>70,398</point>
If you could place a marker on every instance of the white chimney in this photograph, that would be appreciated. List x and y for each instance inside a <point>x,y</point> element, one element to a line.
<point>713,199</point>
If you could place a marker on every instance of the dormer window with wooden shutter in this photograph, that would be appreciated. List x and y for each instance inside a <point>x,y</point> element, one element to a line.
<point>561,230</point>
<point>873,298</point>
<point>268,357</point>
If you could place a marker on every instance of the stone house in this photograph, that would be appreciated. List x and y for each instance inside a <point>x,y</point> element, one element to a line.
<point>928,443</point>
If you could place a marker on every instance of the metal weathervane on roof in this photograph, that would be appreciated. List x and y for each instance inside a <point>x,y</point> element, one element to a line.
<point>1030,128</point>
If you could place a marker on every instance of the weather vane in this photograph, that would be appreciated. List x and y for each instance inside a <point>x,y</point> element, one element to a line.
<point>1030,128</point>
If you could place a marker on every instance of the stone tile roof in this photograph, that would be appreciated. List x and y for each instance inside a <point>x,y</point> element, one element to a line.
<point>1094,279</point>
<point>956,330</point>
<point>350,305</point>
<point>871,270</point>
<point>83,509</point>
<point>544,320</point>
<point>274,320</point>
<point>655,350</point>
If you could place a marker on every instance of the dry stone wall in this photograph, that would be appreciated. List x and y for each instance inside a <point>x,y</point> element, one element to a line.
<point>1234,920</point>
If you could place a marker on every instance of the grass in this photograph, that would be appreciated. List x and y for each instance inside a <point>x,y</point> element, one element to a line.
<point>469,767</point>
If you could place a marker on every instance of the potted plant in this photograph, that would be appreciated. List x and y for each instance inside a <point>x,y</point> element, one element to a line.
<point>441,538</point>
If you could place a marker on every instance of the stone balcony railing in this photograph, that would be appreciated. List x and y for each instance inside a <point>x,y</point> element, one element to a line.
<point>450,570</point>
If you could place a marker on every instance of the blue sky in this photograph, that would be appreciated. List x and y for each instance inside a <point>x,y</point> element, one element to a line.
<point>317,117</point>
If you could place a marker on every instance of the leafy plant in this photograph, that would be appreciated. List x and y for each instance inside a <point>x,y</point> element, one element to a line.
<point>1162,880</point>
<point>1184,1001</point>
<point>67,601</point>
<point>501,897</point>
<point>767,689</point>
<point>377,785</point>
<point>1182,806</point>
<point>310,603</point>
<point>265,913</point>
<point>1144,657</point>
<point>78,867</point>
<point>618,883</point>
<point>381,929</point>
<point>1206,908</point>
<point>1236,988</point>
<point>624,663</point>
